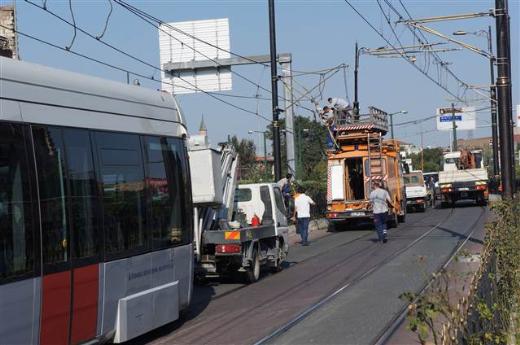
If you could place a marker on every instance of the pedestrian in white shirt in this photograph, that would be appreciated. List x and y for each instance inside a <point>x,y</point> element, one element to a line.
<point>302,213</point>
<point>380,200</point>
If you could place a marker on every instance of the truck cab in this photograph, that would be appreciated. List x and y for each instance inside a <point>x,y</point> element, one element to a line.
<point>417,196</point>
<point>257,235</point>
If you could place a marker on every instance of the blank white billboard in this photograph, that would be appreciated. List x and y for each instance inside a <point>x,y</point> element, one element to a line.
<point>465,119</point>
<point>195,41</point>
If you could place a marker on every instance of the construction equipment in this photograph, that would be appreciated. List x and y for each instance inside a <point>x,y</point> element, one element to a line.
<point>237,228</point>
<point>361,158</point>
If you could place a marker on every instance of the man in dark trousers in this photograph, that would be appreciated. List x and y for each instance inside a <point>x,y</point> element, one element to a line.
<point>380,200</point>
<point>302,214</point>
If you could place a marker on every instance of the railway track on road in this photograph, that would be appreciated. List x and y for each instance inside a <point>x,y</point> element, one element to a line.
<point>385,334</point>
<point>349,283</point>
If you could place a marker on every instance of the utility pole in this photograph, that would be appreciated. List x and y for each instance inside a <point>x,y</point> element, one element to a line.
<point>454,127</point>
<point>493,92</point>
<point>274,91</point>
<point>504,98</point>
<point>355,108</point>
<point>422,152</point>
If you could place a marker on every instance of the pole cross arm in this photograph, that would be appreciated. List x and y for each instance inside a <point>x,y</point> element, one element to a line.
<point>450,17</point>
<point>460,43</point>
<point>207,64</point>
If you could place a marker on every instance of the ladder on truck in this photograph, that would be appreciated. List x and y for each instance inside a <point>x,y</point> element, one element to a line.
<point>375,149</point>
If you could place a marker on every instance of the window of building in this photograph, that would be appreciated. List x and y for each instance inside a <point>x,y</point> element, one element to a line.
<point>164,185</point>
<point>17,255</point>
<point>50,163</point>
<point>121,174</point>
<point>84,205</point>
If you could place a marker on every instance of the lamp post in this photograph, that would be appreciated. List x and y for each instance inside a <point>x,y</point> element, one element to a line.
<point>392,120</point>
<point>265,147</point>
<point>493,93</point>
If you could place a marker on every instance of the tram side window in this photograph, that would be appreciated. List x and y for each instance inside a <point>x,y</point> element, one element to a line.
<point>164,184</point>
<point>83,194</point>
<point>179,164</point>
<point>122,178</point>
<point>50,162</point>
<point>17,255</point>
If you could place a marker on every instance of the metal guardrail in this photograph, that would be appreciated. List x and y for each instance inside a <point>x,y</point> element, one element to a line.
<point>376,119</point>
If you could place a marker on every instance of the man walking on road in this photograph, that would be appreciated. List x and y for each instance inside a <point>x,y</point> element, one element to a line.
<point>302,213</point>
<point>380,200</point>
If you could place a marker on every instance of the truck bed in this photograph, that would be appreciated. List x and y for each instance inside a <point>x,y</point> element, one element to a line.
<point>239,235</point>
<point>468,175</point>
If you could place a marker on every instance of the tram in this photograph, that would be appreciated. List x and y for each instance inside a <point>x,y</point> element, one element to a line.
<point>95,208</point>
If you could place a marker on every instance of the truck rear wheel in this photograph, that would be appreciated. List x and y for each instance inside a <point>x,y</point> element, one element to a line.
<point>253,271</point>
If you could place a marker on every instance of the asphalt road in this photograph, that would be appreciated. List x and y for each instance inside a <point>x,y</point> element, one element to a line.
<point>366,277</point>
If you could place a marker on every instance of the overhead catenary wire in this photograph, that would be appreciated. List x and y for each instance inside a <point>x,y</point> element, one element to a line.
<point>401,53</point>
<point>106,64</point>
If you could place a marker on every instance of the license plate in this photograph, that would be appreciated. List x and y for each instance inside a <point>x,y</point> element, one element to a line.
<point>357,214</point>
<point>465,188</point>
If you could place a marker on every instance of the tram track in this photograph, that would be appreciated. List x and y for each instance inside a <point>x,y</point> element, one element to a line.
<point>315,256</point>
<point>386,333</point>
<point>347,284</point>
<point>265,298</point>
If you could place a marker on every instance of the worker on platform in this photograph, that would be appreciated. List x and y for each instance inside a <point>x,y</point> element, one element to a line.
<point>342,109</point>
<point>285,187</point>
<point>302,214</point>
<point>381,201</point>
<point>329,120</point>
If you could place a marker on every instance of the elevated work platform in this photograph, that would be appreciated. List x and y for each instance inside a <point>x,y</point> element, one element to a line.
<point>376,121</point>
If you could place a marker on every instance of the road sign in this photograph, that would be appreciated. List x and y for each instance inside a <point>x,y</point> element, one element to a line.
<point>199,40</point>
<point>465,118</point>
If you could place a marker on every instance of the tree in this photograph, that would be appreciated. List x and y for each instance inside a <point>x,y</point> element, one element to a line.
<point>309,142</point>
<point>247,154</point>
<point>432,159</point>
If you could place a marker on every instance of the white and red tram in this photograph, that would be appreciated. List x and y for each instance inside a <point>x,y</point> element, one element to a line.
<point>95,208</point>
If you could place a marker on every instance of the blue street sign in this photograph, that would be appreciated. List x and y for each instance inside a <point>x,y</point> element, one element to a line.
<point>450,118</point>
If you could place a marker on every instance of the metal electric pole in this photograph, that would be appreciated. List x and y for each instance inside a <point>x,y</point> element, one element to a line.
<point>504,98</point>
<point>355,108</point>
<point>493,92</point>
<point>274,90</point>
<point>454,127</point>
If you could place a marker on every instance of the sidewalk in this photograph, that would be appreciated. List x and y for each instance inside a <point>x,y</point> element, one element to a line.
<point>317,229</point>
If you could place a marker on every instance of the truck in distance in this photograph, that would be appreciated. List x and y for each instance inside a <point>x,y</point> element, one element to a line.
<point>417,196</point>
<point>362,157</point>
<point>463,177</point>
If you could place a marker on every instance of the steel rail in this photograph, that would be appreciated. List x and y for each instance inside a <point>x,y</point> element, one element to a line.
<point>309,310</point>
<point>386,333</point>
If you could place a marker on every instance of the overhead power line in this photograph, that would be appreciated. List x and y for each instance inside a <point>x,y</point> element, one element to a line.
<point>400,52</point>
<point>106,64</point>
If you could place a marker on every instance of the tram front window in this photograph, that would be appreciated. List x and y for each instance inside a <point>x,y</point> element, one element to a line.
<point>16,230</point>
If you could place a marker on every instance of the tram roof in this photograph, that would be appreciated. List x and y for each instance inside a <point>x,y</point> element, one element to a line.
<point>33,83</point>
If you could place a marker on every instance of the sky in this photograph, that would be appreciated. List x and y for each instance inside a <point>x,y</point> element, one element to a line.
<point>318,34</point>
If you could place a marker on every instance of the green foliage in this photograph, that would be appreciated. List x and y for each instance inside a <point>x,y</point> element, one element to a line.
<point>494,295</point>
<point>432,159</point>
<point>247,152</point>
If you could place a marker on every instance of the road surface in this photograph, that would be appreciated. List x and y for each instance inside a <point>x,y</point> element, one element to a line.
<point>343,289</point>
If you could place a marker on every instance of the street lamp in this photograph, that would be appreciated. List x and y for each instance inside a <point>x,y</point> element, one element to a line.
<point>265,147</point>
<point>493,92</point>
<point>392,120</point>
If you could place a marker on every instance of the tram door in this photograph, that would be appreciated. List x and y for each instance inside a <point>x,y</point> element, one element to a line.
<point>69,241</point>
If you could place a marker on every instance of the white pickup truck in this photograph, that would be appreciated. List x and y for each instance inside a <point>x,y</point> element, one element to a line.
<point>417,196</point>
<point>237,228</point>
<point>458,184</point>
